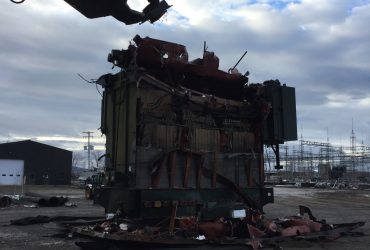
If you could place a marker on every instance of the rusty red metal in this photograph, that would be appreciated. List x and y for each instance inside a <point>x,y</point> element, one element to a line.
<point>213,230</point>
<point>295,230</point>
<point>169,62</point>
<point>254,231</point>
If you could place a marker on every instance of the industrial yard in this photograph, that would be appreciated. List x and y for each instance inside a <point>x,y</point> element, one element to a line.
<point>336,206</point>
<point>322,161</point>
<point>199,145</point>
<point>40,236</point>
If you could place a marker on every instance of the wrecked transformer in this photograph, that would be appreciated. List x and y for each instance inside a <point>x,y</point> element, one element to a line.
<point>184,138</point>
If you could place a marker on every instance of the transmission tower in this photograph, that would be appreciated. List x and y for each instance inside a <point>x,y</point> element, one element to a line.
<point>353,149</point>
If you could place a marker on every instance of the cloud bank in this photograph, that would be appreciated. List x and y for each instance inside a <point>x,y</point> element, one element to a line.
<point>322,48</point>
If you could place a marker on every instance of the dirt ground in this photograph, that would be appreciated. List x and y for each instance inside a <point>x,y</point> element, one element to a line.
<point>41,236</point>
<point>336,206</point>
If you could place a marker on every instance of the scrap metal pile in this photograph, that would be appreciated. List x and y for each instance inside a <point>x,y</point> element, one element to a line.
<point>169,63</point>
<point>198,152</point>
<point>184,148</point>
<point>175,134</point>
<point>244,228</point>
<point>33,200</point>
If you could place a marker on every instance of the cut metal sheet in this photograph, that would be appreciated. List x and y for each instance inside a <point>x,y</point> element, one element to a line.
<point>250,231</point>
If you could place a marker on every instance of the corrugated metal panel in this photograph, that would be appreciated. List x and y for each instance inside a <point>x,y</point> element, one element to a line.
<point>145,157</point>
<point>205,140</point>
<point>254,174</point>
<point>281,124</point>
<point>155,101</point>
<point>192,171</point>
<point>242,142</point>
<point>289,113</point>
<point>207,163</point>
<point>165,137</point>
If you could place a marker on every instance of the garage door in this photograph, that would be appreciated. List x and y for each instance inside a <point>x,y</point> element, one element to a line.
<point>11,172</point>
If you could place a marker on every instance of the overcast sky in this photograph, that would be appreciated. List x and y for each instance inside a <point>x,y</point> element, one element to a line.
<point>320,47</point>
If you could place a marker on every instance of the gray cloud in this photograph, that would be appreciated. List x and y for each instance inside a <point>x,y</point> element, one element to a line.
<point>321,48</point>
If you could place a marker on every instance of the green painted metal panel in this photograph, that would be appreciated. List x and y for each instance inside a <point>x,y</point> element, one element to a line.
<point>140,202</point>
<point>281,124</point>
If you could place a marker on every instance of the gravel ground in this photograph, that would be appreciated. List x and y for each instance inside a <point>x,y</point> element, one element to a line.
<point>336,206</point>
<point>40,237</point>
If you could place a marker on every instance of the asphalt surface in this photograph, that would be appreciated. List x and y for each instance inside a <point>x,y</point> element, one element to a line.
<point>336,206</point>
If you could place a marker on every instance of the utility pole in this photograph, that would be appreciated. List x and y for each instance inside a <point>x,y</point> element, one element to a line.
<point>89,147</point>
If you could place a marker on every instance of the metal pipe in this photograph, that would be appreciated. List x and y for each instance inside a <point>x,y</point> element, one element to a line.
<point>241,58</point>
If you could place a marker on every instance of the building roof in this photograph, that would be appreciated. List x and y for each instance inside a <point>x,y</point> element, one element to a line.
<point>30,142</point>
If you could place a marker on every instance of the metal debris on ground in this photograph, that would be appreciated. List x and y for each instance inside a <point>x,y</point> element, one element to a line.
<point>35,199</point>
<point>30,206</point>
<point>70,204</point>
<point>253,230</point>
<point>5,201</point>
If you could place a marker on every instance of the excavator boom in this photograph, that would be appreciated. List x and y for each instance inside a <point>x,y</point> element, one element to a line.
<point>119,9</point>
